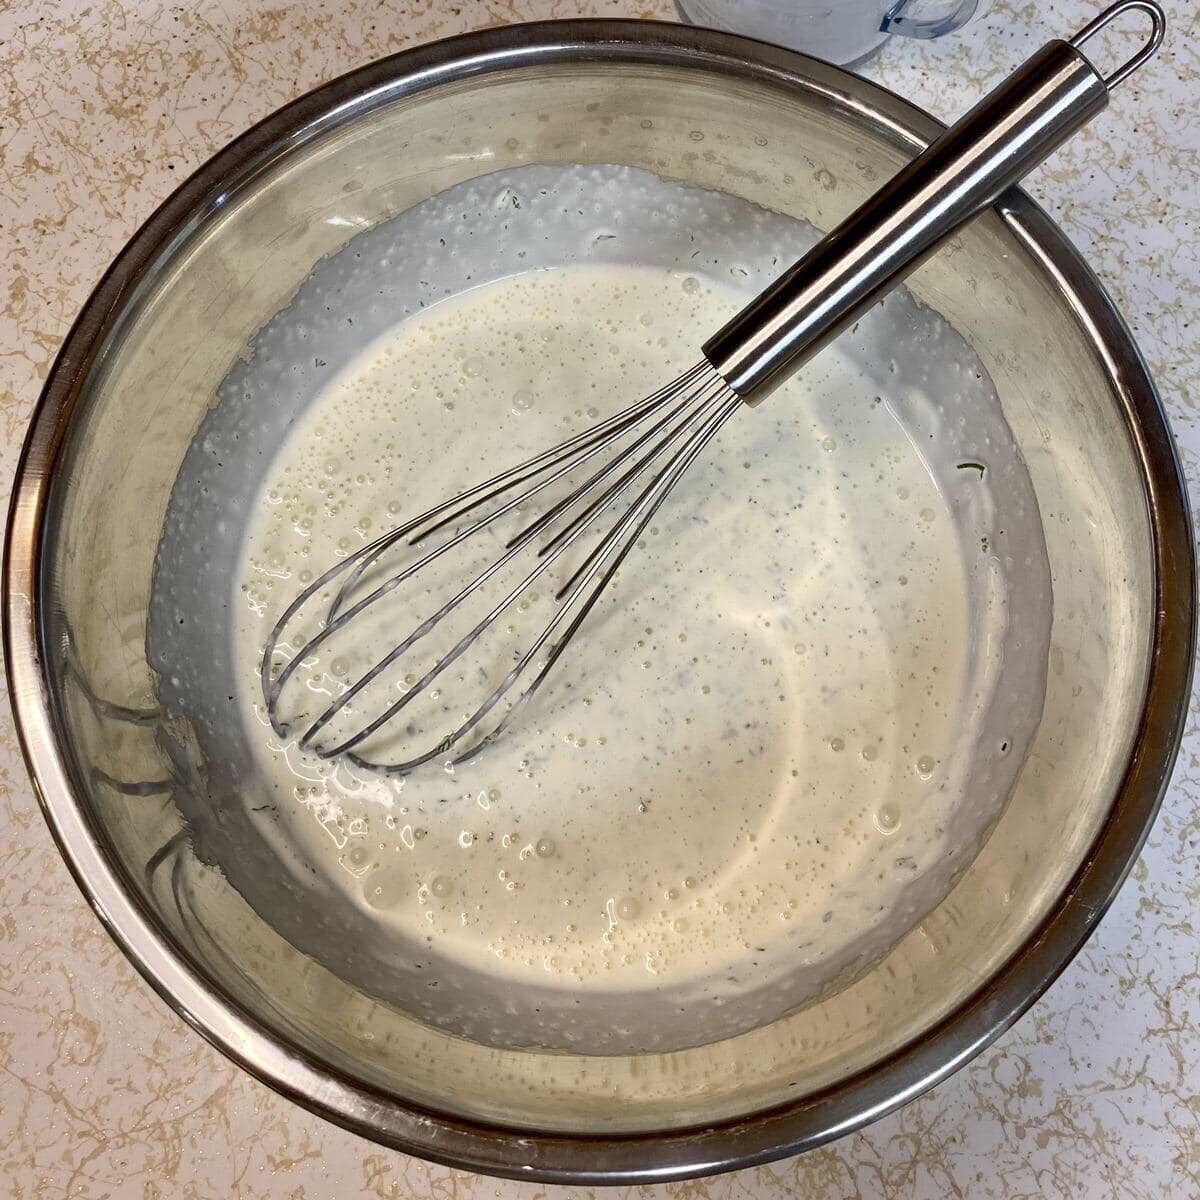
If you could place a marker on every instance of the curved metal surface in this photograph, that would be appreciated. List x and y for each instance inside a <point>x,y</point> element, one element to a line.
<point>615,1159</point>
<point>1012,129</point>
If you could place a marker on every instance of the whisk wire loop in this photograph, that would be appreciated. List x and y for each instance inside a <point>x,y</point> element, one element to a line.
<point>680,419</point>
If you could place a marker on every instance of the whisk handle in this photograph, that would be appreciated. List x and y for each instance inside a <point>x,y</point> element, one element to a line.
<point>1007,134</point>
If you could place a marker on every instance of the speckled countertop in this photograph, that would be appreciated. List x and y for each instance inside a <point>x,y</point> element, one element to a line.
<point>105,1093</point>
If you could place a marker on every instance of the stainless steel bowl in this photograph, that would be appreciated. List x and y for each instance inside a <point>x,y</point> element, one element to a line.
<point>229,248</point>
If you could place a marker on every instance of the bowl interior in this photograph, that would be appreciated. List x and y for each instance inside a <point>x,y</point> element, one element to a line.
<point>803,151</point>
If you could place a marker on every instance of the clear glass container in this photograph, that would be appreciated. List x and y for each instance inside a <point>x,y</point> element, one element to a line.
<point>840,31</point>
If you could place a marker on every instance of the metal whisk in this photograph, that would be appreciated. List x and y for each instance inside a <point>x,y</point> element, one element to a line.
<point>621,470</point>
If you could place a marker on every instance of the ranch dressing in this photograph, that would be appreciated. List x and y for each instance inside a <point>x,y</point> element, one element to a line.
<point>774,743</point>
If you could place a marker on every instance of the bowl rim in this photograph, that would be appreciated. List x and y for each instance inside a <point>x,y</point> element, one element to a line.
<point>619,1158</point>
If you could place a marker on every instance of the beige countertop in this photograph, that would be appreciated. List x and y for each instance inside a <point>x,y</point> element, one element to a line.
<point>104,1092</point>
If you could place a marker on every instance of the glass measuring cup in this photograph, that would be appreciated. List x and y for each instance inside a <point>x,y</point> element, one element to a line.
<point>839,31</point>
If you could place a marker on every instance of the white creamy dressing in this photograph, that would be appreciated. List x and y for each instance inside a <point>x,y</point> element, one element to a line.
<point>760,747</point>
<point>790,722</point>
